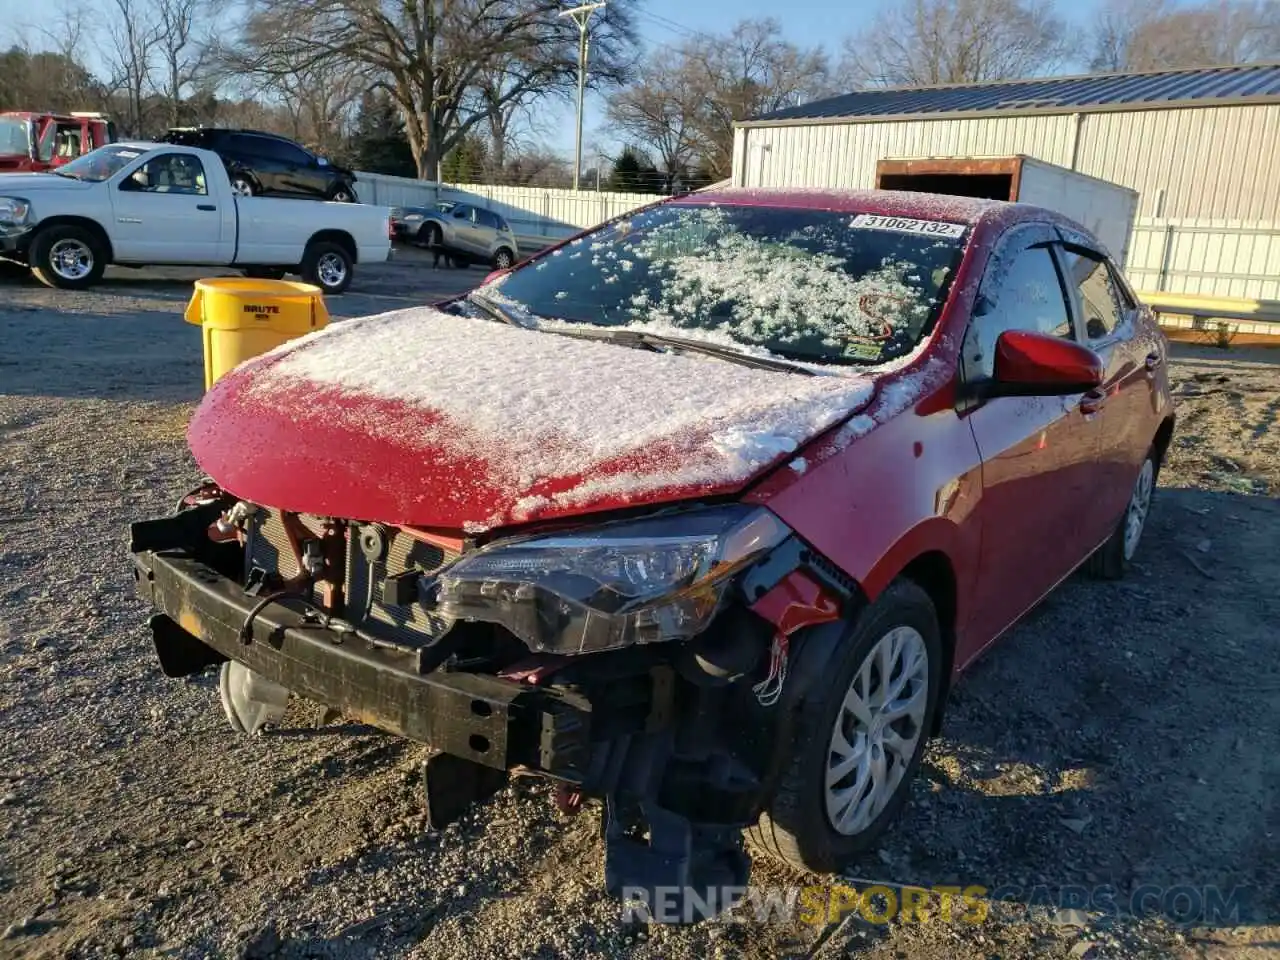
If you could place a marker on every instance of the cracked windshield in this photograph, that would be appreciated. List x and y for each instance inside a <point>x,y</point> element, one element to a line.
<point>814,286</point>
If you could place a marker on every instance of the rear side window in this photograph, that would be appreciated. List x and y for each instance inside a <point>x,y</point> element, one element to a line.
<point>1100,296</point>
<point>1030,297</point>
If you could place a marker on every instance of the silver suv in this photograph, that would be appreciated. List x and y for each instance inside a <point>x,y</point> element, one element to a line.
<point>465,232</point>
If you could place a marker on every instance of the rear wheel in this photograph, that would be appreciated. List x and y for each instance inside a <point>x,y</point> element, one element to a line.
<point>242,185</point>
<point>328,265</point>
<point>67,256</point>
<point>859,738</point>
<point>1111,560</point>
<point>343,194</point>
<point>503,259</point>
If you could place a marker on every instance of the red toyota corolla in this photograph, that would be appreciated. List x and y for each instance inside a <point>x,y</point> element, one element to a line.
<point>701,513</point>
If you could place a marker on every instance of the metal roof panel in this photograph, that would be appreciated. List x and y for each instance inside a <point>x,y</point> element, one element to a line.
<point>1209,85</point>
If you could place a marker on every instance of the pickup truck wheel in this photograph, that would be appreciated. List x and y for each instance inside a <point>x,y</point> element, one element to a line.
<point>328,265</point>
<point>68,257</point>
<point>859,738</point>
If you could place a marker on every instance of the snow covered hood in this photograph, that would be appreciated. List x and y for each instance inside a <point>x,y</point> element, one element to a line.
<point>424,418</point>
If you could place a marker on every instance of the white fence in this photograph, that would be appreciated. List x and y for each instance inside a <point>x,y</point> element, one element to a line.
<point>1221,258</point>
<point>1216,258</point>
<point>537,214</point>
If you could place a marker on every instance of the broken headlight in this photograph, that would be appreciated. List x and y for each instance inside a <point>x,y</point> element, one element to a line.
<point>643,581</point>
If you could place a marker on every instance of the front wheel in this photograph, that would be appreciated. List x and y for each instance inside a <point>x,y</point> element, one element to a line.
<point>343,195</point>
<point>68,257</point>
<point>328,265</point>
<point>503,259</point>
<point>859,738</point>
<point>242,185</point>
<point>1111,560</point>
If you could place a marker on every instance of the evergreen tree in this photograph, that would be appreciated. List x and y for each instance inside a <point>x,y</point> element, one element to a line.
<point>378,143</point>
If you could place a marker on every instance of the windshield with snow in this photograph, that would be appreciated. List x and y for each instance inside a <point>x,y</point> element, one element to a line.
<point>15,137</point>
<point>809,285</point>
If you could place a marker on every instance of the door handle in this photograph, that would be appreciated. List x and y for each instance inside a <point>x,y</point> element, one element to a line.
<point>205,206</point>
<point>1092,401</point>
<point>1153,359</point>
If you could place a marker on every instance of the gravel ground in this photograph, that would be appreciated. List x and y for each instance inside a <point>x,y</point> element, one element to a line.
<point>1125,737</point>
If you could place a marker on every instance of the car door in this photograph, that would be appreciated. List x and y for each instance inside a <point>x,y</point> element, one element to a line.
<point>259,157</point>
<point>462,228</point>
<point>299,172</point>
<point>1123,401</point>
<point>1037,452</point>
<point>164,213</point>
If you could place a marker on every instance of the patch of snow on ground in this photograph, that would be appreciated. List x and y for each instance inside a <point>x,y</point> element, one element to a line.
<point>538,407</point>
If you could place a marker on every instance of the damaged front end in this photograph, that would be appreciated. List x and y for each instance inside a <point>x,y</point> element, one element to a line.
<point>652,663</point>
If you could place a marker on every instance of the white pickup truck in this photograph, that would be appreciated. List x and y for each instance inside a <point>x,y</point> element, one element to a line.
<point>155,204</point>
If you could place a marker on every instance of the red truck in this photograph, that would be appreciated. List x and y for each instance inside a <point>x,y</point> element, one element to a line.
<point>32,141</point>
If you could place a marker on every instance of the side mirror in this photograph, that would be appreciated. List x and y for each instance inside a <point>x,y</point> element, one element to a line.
<point>1039,365</point>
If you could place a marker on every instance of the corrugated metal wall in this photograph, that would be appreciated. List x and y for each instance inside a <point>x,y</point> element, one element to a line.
<point>1208,178</point>
<point>1213,162</point>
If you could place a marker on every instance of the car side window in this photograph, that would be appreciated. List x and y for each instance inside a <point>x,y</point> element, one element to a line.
<point>1030,297</point>
<point>461,213</point>
<point>486,219</point>
<point>1101,299</point>
<point>174,173</point>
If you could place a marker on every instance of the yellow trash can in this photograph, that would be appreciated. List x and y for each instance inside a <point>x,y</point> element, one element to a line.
<point>242,318</point>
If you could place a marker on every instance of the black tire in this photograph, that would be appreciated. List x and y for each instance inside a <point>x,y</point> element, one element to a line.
<point>504,259</point>
<point>265,273</point>
<point>57,242</point>
<point>795,830</point>
<point>243,185</point>
<point>429,236</point>
<point>1111,560</point>
<point>343,193</point>
<point>320,255</point>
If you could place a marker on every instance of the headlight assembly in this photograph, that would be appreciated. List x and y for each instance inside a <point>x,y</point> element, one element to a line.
<point>14,211</point>
<point>642,581</point>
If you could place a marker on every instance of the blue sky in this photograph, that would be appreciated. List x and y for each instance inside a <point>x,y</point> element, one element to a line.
<point>823,23</point>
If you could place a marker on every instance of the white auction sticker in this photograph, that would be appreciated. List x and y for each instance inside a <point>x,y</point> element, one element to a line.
<point>929,228</point>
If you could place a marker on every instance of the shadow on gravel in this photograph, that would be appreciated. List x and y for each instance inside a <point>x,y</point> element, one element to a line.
<point>1118,751</point>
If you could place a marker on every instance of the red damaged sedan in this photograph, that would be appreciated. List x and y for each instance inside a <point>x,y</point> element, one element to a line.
<point>701,513</point>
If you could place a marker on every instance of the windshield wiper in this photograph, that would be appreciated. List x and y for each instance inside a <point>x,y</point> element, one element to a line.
<point>493,310</point>
<point>656,341</point>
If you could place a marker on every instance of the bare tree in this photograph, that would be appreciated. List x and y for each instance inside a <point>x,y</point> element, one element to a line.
<point>184,47</point>
<point>132,32</point>
<point>319,95</point>
<point>661,110</point>
<point>749,72</point>
<point>430,54</point>
<point>929,42</point>
<point>1156,34</point>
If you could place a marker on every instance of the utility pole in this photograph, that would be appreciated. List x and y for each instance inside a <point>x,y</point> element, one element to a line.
<point>582,17</point>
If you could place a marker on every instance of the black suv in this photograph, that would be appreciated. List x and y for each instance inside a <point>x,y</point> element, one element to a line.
<point>264,164</point>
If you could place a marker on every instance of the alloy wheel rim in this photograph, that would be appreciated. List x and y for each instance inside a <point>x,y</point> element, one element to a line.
<point>342,197</point>
<point>1135,518</point>
<point>71,259</point>
<point>331,270</point>
<point>242,188</point>
<point>504,260</point>
<point>877,729</point>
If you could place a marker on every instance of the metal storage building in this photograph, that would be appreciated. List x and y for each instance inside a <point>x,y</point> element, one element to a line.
<point>1201,147</point>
